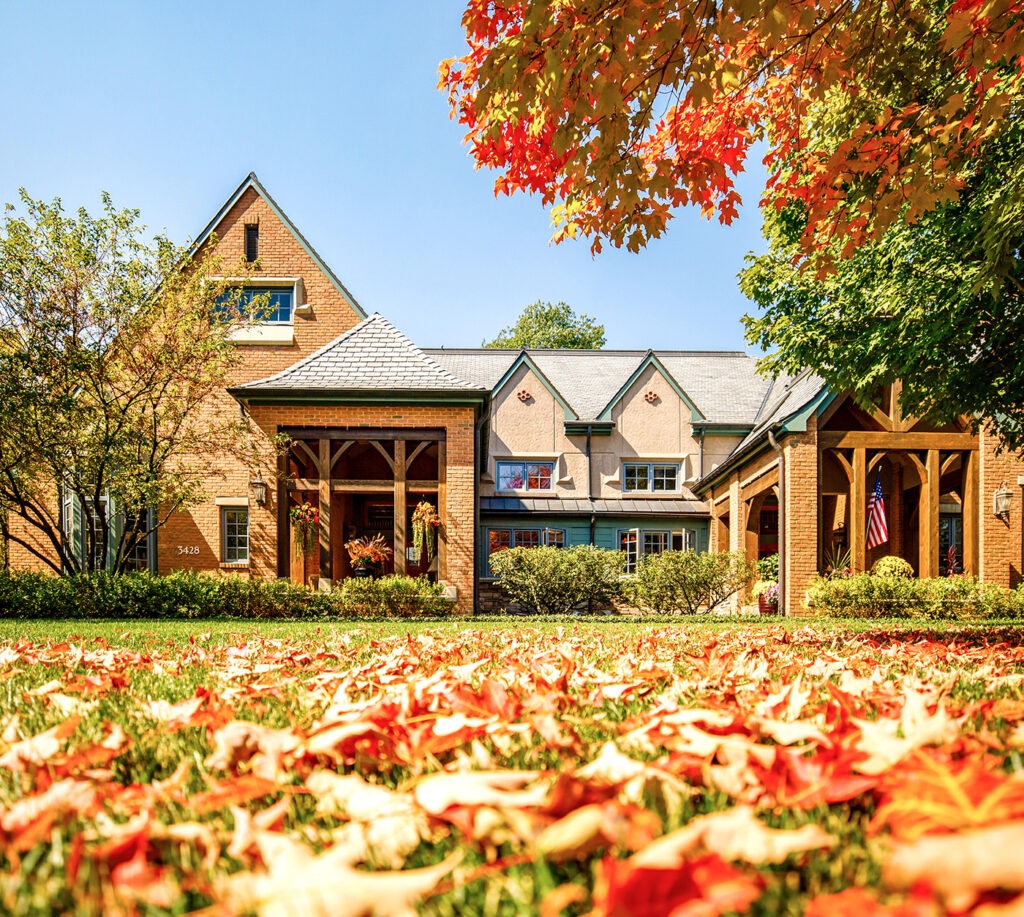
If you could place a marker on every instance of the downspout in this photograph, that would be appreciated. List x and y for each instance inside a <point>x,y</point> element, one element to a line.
<point>701,460</point>
<point>782,521</point>
<point>485,413</point>
<point>590,488</point>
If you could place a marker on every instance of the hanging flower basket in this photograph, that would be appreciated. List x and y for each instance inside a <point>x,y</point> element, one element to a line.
<point>368,553</point>
<point>425,523</point>
<point>306,519</point>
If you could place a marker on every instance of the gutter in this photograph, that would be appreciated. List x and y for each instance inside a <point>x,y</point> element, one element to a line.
<point>590,488</point>
<point>783,559</point>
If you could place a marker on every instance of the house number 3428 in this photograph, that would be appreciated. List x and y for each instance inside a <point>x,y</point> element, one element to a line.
<point>188,549</point>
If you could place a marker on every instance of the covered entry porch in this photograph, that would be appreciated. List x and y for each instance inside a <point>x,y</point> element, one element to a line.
<point>364,482</point>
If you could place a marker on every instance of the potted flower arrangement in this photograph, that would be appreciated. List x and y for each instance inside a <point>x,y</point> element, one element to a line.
<point>368,555</point>
<point>766,589</point>
<point>425,523</point>
<point>306,519</point>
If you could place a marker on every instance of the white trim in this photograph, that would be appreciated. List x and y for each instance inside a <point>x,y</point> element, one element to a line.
<point>231,501</point>
<point>263,334</point>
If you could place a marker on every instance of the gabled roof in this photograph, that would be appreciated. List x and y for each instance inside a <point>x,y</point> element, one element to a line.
<point>786,408</point>
<point>251,181</point>
<point>648,361</point>
<point>524,359</point>
<point>723,386</point>
<point>373,356</point>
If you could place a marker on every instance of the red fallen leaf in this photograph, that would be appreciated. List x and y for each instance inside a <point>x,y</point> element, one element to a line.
<point>805,780</point>
<point>40,748</point>
<point>925,796</point>
<point>29,820</point>
<point>236,791</point>
<point>142,880</point>
<point>858,902</point>
<point>97,755</point>
<point>704,887</point>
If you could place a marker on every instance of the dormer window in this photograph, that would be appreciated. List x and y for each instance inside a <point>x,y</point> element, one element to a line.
<point>650,477</point>
<point>519,476</point>
<point>252,242</point>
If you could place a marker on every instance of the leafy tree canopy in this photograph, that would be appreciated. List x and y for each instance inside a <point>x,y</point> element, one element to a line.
<point>551,325</point>
<point>617,111</point>
<point>114,355</point>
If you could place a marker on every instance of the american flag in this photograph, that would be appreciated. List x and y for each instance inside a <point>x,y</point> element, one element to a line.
<point>878,528</point>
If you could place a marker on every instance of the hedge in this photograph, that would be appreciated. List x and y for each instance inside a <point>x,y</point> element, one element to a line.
<point>392,597</point>
<point>556,581</point>
<point>867,595</point>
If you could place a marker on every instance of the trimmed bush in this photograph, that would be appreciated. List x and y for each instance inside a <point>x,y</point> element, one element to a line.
<point>143,596</point>
<point>892,566</point>
<point>688,581</point>
<point>392,597</point>
<point>868,596</point>
<point>556,581</point>
<point>960,598</point>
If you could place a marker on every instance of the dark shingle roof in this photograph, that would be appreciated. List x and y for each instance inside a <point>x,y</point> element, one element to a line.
<point>724,385</point>
<point>615,507</point>
<point>373,355</point>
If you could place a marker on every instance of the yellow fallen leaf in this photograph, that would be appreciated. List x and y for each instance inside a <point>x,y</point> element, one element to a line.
<point>439,792</point>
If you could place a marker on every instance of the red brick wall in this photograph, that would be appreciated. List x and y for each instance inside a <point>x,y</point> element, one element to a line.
<point>1000,540</point>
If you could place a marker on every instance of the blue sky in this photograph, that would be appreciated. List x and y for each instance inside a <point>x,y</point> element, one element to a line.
<point>169,105</point>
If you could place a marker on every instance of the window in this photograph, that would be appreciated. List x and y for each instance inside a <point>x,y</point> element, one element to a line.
<point>234,528</point>
<point>252,241</point>
<point>138,546</point>
<point>650,477</point>
<point>503,539</point>
<point>637,543</point>
<point>279,308</point>
<point>525,475</point>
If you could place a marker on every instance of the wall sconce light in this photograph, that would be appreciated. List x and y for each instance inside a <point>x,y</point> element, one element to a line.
<point>1001,500</point>
<point>259,489</point>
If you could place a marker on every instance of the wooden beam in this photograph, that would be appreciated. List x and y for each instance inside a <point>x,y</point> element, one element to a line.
<point>387,458</point>
<point>284,545</point>
<point>866,439</point>
<point>338,453</point>
<point>400,497</point>
<point>357,486</point>
<point>971,513</point>
<point>362,434</point>
<point>313,457</point>
<point>415,453</point>
<point>442,510</point>
<point>858,510</point>
<point>928,518</point>
<point>761,484</point>
<point>324,490</point>
<point>844,463</point>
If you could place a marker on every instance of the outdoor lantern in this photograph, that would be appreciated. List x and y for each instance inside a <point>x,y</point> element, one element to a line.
<point>1001,502</point>
<point>259,489</point>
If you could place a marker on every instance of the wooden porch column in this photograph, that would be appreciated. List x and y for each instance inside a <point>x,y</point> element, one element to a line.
<point>400,504</point>
<point>324,470</point>
<point>858,511</point>
<point>928,518</point>
<point>970,512</point>
<point>284,540</point>
<point>442,509</point>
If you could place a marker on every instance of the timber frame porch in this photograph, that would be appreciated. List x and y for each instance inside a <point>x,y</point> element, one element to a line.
<point>403,462</point>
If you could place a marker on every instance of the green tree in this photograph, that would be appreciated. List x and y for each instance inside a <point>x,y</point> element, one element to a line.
<point>551,325</point>
<point>937,303</point>
<point>114,356</point>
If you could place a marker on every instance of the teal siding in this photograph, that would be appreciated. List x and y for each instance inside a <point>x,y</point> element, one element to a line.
<point>577,530</point>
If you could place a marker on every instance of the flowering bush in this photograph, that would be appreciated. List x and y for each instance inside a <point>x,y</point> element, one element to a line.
<point>370,553</point>
<point>767,590</point>
<point>306,519</point>
<point>425,523</point>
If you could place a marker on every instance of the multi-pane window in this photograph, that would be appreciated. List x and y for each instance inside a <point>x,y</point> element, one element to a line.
<point>93,535</point>
<point>138,537</point>
<point>525,475</point>
<point>637,543</point>
<point>650,477</point>
<point>234,525</point>
<point>278,307</point>
<point>503,539</point>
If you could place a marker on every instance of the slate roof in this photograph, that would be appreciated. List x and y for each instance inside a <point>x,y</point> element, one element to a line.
<point>372,356</point>
<point>724,385</point>
<point>612,507</point>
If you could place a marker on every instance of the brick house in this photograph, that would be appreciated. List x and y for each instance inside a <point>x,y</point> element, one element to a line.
<point>643,451</point>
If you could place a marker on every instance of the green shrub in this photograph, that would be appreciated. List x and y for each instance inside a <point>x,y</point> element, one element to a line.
<point>144,596</point>
<point>687,581</point>
<point>964,598</point>
<point>868,596</point>
<point>392,596</point>
<point>557,580</point>
<point>768,568</point>
<point>892,566</point>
